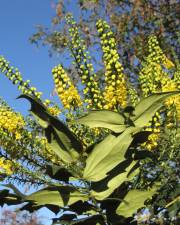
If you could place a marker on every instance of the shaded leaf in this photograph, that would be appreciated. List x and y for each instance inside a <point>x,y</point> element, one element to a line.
<point>81,207</point>
<point>56,145</point>
<point>140,137</point>
<point>58,173</point>
<point>10,199</point>
<point>143,154</point>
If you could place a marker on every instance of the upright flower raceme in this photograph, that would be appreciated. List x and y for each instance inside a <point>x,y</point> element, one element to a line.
<point>115,91</point>
<point>152,75</point>
<point>84,67</point>
<point>14,75</point>
<point>66,91</point>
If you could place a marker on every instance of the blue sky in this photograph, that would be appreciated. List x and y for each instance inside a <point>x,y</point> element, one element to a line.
<point>18,19</point>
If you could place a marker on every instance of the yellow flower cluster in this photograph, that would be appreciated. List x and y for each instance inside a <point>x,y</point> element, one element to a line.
<point>154,78</point>
<point>14,75</point>
<point>170,85</point>
<point>11,122</point>
<point>84,67</point>
<point>5,166</point>
<point>115,91</point>
<point>152,75</point>
<point>66,91</point>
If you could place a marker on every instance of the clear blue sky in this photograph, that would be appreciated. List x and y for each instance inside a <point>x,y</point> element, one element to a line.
<point>18,19</point>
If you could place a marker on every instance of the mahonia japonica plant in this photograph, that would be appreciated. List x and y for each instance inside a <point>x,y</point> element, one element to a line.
<point>95,164</point>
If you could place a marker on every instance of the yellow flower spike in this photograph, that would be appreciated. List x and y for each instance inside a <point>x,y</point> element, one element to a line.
<point>115,90</point>
<point>66,91</point>
<point>152,77</point>
<point>83,63</point>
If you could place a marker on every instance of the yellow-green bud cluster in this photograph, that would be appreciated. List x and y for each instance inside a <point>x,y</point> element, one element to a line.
<point>84,66</point>
<point>156,54</point>
<point>133,95</point>
<point>14,75</point>
<point>153,78</point>
<point>66,91</point>
<point>115,91</point>
<point>153,75</point>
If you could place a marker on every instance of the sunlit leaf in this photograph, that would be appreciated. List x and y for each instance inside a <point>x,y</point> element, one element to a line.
<point>105,119</point>
<point>108,154</point>
<point>57,195</point>
<point>114,183</point>
<point>133,201</point>
<point>147,107</point>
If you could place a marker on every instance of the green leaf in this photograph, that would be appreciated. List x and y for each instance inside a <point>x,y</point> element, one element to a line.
<point>62,141</point>
<point>133,201</point>
<point>114,183</point>
<point>105,119</point>
<point>108,154</point>
<point>147,107</point>
<point>56,145</point>
<point>57,195</point>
